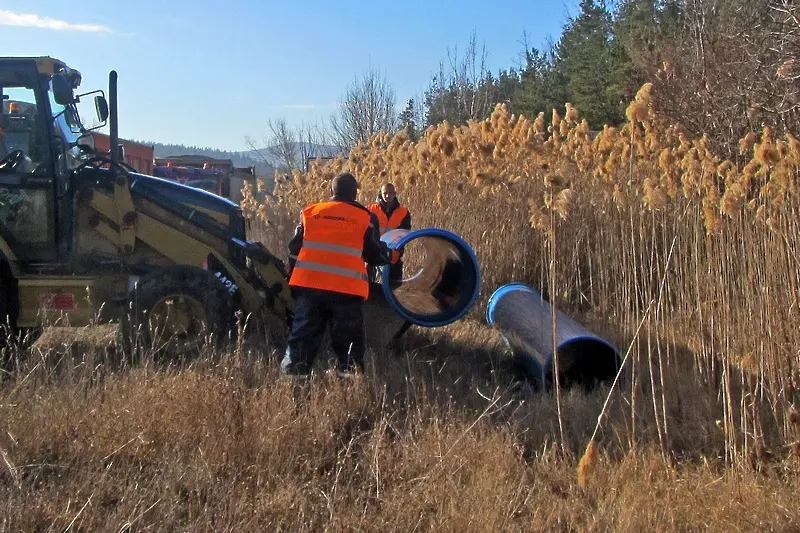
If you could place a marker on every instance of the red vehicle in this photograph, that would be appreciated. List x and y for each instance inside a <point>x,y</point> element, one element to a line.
<point>217,176</point>
<point>203,176</point>
<point>139,156</point>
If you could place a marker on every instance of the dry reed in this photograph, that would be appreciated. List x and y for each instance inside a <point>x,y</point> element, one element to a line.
<point>662,246</point>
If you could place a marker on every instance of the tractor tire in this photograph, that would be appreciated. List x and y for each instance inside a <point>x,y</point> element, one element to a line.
<point>174,312</point>
<point>9,304</point>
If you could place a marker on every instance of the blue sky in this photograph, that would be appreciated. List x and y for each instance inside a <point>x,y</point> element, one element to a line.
<point>197,73</point>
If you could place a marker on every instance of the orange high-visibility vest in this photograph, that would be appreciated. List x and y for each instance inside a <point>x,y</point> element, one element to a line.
<point>388,223</point>
<point>333,244</point>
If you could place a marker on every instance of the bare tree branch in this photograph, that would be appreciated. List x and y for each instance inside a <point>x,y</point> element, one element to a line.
<point>282,143</point>
<point>367,108</point>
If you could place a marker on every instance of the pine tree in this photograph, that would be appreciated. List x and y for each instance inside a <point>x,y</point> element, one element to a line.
<point>542,85</point>
<point>585,57</point>
<point>408,120</point>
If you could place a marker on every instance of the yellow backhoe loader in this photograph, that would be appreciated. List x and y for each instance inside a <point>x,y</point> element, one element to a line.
<point>85,239</point>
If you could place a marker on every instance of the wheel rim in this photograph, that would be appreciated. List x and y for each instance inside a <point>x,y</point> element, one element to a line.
<point>177,317</point>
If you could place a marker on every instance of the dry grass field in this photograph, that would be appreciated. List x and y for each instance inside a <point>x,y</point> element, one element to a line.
<point>686,261</point>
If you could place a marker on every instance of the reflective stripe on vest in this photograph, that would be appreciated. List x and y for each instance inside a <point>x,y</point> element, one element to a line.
<point>388,223</point>
<point>320,267</point>
<point>330,257</point>
<point>356,252</point>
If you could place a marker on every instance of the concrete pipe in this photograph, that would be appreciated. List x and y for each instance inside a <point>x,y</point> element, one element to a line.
<point>524,319</point>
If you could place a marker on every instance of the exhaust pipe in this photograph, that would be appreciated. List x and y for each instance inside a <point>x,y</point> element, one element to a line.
<point>524,319</point>
<point>113,120</point>
<point>440,284</point>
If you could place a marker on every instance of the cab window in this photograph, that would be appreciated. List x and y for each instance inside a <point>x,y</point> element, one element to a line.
<point>20,128</point>
<point>26,195</point>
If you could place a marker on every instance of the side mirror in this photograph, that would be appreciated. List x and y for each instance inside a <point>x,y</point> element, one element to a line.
<point>86,143</point>
<point>101,106</point>
<point>62,90</point>
<point>121,153</point>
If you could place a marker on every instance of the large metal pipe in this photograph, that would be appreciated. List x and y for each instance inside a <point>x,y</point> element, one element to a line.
<point>524,319</point>
<point>441,277</point>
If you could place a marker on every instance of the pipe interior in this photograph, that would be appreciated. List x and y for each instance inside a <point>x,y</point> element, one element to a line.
<point>438,282</point>
<point>586,362</point>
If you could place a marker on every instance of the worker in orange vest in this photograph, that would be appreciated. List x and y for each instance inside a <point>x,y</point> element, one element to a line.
<point>391,215</point>
<point>328,276</point>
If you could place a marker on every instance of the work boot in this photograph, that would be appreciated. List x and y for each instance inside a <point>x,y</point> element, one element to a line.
<point>347,375</point>
<point>300,386</point>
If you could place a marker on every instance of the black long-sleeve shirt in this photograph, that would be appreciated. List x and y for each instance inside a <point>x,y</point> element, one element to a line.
<point>375,252</point>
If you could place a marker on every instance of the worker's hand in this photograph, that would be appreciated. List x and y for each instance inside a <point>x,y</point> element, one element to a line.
<point>396,256</point>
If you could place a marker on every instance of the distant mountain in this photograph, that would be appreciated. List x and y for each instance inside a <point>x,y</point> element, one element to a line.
<point>240,159</point>
<point>262,159</point>
<point>301,149</point>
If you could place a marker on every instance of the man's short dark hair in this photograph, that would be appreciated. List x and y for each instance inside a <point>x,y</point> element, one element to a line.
<point>345,186</point>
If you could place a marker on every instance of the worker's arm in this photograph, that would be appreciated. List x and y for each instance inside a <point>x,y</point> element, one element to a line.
<point>294,245</point>
<point>376,253</point>
<point>406,222</point>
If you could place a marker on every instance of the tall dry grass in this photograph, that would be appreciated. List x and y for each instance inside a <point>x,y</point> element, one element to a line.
<point>637,223</point>
<point>636,226</point>
<point>431,440</point>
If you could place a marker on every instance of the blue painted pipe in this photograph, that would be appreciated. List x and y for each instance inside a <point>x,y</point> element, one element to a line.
<point>524,319</point>
<point>446,286</point>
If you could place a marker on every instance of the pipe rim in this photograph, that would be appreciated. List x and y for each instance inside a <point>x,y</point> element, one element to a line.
<point>500,292</point>
<point>431,232</point>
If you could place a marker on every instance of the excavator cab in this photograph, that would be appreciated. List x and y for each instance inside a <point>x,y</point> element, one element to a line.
<point>38,151</point>
<point>26,194</point>
<point>39,127</point>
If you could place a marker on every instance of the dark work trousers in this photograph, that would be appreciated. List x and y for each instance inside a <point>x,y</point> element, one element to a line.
<point>314,310</point>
